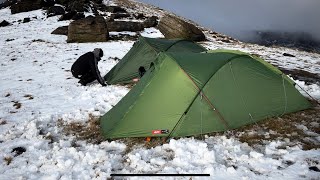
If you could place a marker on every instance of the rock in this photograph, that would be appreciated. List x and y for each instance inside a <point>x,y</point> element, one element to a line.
<point>78,6</point>
<point>47,3</point>
<point>25,6</point>
<point>18,150</point>
<point>67,16</point>
<point>139,16</point>
<point>226,40</point>
<point>119,15</point>
<point>25,20</point>
<point>287,54</point>
<point>173,27</point>
<point>314,168</point>
<point>72,15</point>
<point>89,29</point>
<point>151,22</point>
<point>79,15</point>
<point>55,10</point>
<point>63,30</point>
<point>115,9</point>
<point>4,23</point>
<point>125,26</point>
<point>298,74</point>
<point>7,3</point>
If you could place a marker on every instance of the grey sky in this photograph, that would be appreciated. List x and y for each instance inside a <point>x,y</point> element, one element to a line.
<point>1,1</point>
<point>238,17</point>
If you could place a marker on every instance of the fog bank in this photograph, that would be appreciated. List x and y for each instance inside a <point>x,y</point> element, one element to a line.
<point>240,18</point>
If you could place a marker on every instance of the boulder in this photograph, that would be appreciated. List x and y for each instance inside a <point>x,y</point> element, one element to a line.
<point>173,27</point>
<point>63,30</point>
<point>4,23</point>
<point>89,29</point>
<point>55,10</point>
<point>125,26</point>
<point>151,22</point>
<point>25,6</point>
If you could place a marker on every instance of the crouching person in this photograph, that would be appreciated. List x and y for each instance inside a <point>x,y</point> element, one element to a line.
<point>86,67</point>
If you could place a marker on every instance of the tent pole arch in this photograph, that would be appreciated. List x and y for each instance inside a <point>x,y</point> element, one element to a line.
<point>181,40</point>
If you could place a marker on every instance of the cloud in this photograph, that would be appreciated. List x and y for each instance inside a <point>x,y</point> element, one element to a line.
<point>238,18</point>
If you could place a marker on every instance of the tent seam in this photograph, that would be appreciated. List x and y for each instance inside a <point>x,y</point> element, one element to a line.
<point>199,91</point>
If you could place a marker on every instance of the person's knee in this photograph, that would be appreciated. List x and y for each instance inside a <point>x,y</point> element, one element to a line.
<point>75,74</point>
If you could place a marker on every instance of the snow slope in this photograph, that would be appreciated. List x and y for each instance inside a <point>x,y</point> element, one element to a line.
<point>37,91</point>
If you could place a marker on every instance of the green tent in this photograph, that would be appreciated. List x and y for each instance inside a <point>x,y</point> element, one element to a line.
<point>196,93</point>
<point>143,53</point>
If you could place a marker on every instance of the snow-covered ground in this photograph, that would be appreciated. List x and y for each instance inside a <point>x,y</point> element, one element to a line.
<point>37,91</point>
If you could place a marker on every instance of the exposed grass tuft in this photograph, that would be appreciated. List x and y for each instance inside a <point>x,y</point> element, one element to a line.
<point>8,159</point>
<point>89,131</point>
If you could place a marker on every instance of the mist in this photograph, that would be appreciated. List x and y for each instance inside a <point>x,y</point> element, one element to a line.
<point>240,19</point>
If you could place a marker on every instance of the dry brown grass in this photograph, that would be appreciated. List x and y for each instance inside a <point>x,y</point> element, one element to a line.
<point>8,159</point>
<point>16,104</point>
<point>281,128</point>
<point>131,143</point>
<point>3,122</point>
<point>89,131</point>
<point>28,96</point>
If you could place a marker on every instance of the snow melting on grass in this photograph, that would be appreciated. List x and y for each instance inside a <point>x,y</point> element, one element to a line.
<point>313,89</point>
<point>222,158</point>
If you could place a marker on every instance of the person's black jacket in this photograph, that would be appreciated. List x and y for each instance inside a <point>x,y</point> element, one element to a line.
<point>87,64</point>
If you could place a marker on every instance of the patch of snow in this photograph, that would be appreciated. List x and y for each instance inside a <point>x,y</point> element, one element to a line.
<point>313,89</point>
<point>113,33</point>
<point>151,33</point>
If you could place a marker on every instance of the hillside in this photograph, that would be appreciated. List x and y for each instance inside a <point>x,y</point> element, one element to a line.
<point>48,122</point>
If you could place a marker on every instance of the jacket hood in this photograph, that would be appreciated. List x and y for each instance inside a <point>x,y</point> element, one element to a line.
<point>98,53</point>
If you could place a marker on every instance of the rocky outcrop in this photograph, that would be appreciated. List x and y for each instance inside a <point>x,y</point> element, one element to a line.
<point>119,15</point>
<point>72,15</point>
<point>78,6</point>
<point>63,30</point>
<point>25,6</point>
<point>7,3</point>
<point>115,9</point>
<point>151,22</point>
<point>47,3</point>
<point>55,10</point>
<point>173,27</point>
<point>89,29</point>
<point>125,26</point>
